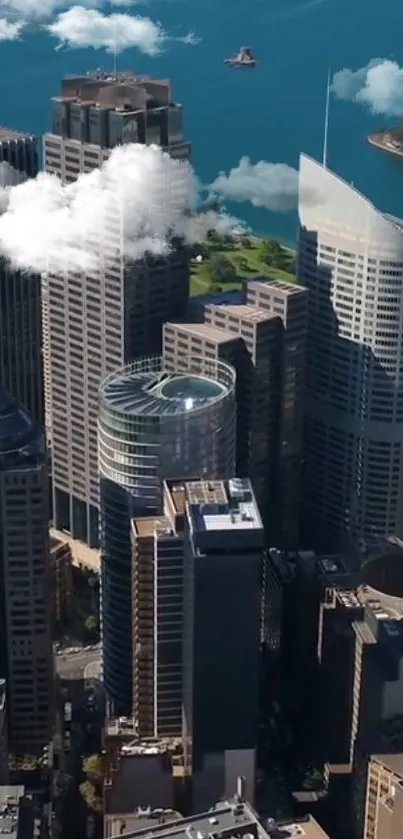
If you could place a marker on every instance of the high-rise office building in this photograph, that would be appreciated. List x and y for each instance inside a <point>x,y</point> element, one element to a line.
<point>153,424</point>
<point>95,323</point>
<point>196,629</point>
<point>350,257</point>
<point>264,338</point>
<point>26,658</point>
<point>224,543</point>
<point>20,295</point>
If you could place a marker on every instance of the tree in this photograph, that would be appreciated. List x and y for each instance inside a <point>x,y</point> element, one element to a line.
<point>91,796</point>
<point>246,242</point>
<point>221,270</point>
<point>91,623</point>
<point>93,767</point>
<point>272,253</point>
<point>93,583</point>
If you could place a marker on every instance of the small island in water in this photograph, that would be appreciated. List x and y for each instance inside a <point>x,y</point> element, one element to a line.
<point>389,140</point>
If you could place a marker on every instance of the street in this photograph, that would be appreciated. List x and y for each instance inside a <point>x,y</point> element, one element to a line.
<point>71,665</point>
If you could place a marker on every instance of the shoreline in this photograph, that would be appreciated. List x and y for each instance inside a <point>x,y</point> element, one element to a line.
<point>379,142</point>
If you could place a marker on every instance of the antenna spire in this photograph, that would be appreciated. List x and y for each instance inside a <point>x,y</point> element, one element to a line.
<point>115,61</point>
<point>326,128</point>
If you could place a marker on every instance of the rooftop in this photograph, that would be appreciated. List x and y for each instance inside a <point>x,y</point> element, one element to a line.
<point>124,823</point>
<point>7,134</point>
<point>287,288</point>
<point>115,91</point>
<point>10,797</point>
<point>147,526</point>
<point>204,330</point>
<point>233,818</point>
<point>145,388</point>
<point>223,505</point>
<point>249,313</point>
<point>392,762</point>
<point>219,298</point>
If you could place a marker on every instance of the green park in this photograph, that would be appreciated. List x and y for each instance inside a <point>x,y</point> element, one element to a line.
<point>223,262</point>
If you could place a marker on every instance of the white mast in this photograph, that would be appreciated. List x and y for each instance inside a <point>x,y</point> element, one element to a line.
<point>326,128</point>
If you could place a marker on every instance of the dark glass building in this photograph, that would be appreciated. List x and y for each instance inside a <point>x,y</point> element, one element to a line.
<point>26,658</point>
<point>20,295</point>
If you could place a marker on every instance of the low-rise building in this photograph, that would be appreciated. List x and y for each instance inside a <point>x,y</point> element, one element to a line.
<point>227,819</point>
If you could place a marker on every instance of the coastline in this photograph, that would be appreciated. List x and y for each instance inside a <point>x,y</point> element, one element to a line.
<point>380,141</point>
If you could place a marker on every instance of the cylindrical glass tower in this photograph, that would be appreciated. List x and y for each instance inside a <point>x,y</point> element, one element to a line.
<point>153,424</point>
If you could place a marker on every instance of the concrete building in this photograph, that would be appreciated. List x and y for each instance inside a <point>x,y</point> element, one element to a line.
<point>26,659</point>
<point>61,580</point>
<point>350,257</point>
<point>21,370</point>
<point>138,772</point>
<point>383,805</point>
<point>17,816</point>
<point>264,338</point>
<point>157,626</point>
<point>153,424</point>
<point>3,734</point>
<point>119,312</point>
<point>228,818</point>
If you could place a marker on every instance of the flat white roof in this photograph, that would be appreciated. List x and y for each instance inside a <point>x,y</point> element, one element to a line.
<point>246,517</point>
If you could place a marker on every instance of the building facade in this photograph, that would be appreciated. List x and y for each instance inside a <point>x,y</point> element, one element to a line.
<point>20,295</point>
<point>120,310</point>
<point>224,543</point>
<point>61,575</point>
<point>153,424</point>
<point>350,257</point>
<point>3,734</point>
<point>26,657</point>
<point>263,335</point>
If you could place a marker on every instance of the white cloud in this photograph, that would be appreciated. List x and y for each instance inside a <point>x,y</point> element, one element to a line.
<point>80,27</point>
<point>136,202</point>
<point>65,225</point>
<point>42,9</point>
<point>270,185</point>
<point>379,86</point>
<point>10,31</point>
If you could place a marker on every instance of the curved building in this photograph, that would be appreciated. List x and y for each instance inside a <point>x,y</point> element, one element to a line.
<point>26,657</point>
<point>153,424</point>
<point>350,257</point>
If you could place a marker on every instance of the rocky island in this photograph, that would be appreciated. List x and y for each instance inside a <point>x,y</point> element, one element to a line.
<point>389,140</point>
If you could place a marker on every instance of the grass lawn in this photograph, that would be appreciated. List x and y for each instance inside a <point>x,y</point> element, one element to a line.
<point>200,272</point>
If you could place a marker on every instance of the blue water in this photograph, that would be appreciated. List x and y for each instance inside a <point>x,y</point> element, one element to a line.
<point>270,113</point>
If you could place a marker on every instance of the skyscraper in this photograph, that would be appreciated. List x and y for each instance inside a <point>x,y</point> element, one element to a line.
<point>265,339</point>
<point>350,256</point>
<point>153,424</point>
<point>94,324</point>
<point>196,629</point>
<point>224,542</point>
<point>26,659</point>
<point>20,295</point>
